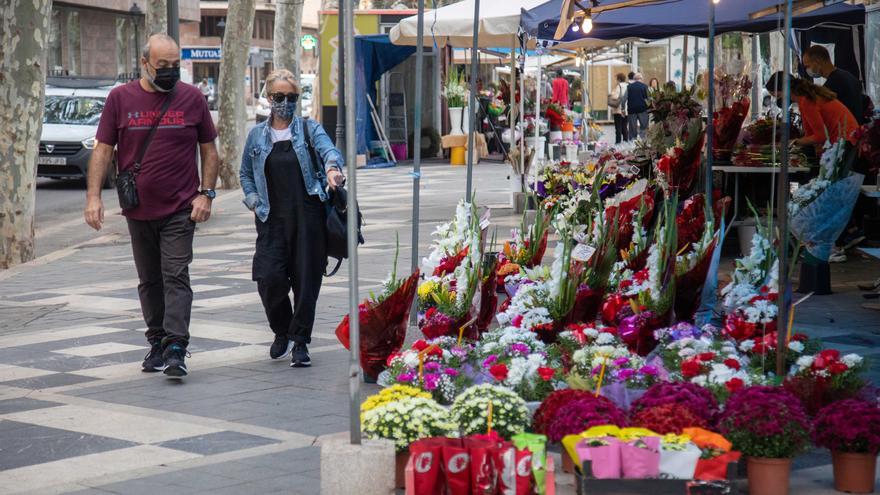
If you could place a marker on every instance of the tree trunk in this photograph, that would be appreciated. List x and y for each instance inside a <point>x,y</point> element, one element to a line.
<point>157,17</point>
<point>233,117</point>
<point>288,35</point>
<point>24,36</point>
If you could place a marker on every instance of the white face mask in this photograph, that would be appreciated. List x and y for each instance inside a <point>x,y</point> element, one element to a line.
<point>812,73</point>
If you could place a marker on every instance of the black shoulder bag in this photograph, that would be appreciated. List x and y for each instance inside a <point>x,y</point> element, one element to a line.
<point>126,182</point>
<point>337,210</point>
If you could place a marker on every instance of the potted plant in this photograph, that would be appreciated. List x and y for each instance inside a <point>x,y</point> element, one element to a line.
<point>850,429</point>
<point>406,420</point>
<point>508,415</point>
<point>456,93</point>
<point>769,426</point>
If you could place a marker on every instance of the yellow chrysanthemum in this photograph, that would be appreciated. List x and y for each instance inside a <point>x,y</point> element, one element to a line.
<point>391,394</point>
<point>426,289</point>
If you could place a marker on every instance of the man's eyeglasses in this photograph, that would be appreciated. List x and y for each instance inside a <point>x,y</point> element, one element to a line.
<point>280,97</point>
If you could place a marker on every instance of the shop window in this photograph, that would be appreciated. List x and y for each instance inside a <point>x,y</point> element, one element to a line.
<point>55,61</point>
<point>208,27</point>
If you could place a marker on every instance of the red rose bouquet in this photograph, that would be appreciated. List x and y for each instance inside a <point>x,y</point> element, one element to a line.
<point>826,377</point>
<point>733,105</point>
<point>383,323</point>
<point>851,425</point>
<point>629,210</point>
<point>679,166</point>
<point>668,418</point>
<point>868,137</point>
<point>578,416</point>
<point>556,115</point>
<point>766,422</point>
<point>694,398</point>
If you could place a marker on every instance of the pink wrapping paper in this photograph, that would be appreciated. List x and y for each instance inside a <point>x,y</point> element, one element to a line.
<point>640,462</point>
<point>605,459</point>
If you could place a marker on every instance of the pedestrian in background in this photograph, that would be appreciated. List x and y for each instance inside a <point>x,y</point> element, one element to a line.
<point>637,107</point>
<point>617,103</point>
<point>560,90</point>
<point>845,85</point>
<point>170,200</point>
<point>205,88</point>
<point>286,191</point>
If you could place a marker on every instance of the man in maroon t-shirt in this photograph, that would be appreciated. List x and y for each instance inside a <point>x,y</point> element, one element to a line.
<point>170,199</point>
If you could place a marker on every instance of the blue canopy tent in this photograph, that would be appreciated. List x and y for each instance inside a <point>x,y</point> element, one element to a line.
<point>374,56</point>
<point>682,17</point>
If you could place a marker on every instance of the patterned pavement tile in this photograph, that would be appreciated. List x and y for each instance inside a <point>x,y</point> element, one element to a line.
<point>30,444</point>
<point>216,443</point>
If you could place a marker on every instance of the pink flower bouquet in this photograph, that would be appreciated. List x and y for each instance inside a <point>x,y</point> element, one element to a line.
<point>641,458</point>
<point>604,456</point>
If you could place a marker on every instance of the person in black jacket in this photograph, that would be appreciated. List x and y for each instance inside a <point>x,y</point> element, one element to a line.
<point>637,107</point>
<point>847,87</point>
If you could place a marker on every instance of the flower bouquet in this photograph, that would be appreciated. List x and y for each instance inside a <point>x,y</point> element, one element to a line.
<point>826,377</point>
<point>678,457</point>
<point>528,243</point>
<point>732,92</point>
<point>407,420</point>
<point>549,408</point>
<point>393,393</point>
<point>762,350</point>
<point>679,165</point>
<point>383,322</point>
<point>758,148</point>
<point>632,211</point>
<point>868,143</point>
<point>723,372</point>
<point>716,452</point>
<point>673,112</point>
<point>556,115</point>
<point>456,90</point>
<point>691,271</point>
<point>642,458</point>
<point>516,359</point>
<point>820,209</point>
<point>440,366</point>
<point>578,416</point>
<point>507,414</point>
<point>696,399</point>
<point>668,418</point>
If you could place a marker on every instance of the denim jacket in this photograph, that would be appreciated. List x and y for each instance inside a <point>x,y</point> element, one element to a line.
<point>257,148</point>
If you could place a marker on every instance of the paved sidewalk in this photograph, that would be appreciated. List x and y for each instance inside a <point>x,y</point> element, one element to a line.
<point>78,416</point>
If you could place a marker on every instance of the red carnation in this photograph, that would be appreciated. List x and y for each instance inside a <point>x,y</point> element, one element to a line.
<point>830,354</point>
<point>732,363</point>
<point>499,372</point>
<point>420,345</point>
<point>546,373</point>
<point>706,356</point>
<point>837,368</point>
<point>690,369</point>
<point>734,384</point>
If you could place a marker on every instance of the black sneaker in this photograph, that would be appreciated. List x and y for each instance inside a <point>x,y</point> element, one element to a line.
<point>174,356</point>
<point>281,347</point>
<point>300,357</point>
<point>153,361</point>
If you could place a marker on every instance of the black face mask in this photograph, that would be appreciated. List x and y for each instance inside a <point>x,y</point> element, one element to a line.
<point>165,78</point>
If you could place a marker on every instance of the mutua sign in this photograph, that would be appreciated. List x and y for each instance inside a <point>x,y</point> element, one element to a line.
<point>200,54</point>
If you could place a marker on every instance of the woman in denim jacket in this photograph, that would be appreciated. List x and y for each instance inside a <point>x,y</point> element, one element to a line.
<point>286,193</point>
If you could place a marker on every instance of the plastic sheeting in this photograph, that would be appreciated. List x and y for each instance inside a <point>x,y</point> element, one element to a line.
<point>374,56</point>
<point>822,221</point>
<point>682,17</point>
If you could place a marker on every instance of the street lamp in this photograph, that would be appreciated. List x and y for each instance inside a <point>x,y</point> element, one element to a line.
<point>136,12</point>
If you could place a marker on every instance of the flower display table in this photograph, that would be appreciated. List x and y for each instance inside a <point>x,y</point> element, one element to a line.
<point>586,483</point>
<point>736,172</point>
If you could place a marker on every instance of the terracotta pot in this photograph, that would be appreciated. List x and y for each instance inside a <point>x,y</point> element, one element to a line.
<point>400,469</point>
<point>567,463</point>
<point>854,473</point>
<point>768,476</point>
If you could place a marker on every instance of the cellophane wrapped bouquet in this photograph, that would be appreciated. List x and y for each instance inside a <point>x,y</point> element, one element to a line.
<point>732,104</point>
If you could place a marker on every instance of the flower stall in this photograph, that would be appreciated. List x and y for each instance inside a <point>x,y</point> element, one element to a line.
<point>594,333</point>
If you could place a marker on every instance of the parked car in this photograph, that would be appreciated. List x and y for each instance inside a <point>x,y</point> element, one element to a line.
<point>307,81</point>
<point>70,122</point>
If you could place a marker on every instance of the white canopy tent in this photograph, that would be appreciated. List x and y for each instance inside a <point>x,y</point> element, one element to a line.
<point>454,24</point>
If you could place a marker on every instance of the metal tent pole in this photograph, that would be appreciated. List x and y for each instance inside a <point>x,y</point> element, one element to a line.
<point>340,76</point>
<point>538,115</point>
<point>473,102</point>
<point>522,119</point>
<point>782,202</point>
<point>417,136</point>
<point>710,107</point>
<point>696,57</point>
<point>756,77</point>
<point>351,157</point>
<point>513,111</point>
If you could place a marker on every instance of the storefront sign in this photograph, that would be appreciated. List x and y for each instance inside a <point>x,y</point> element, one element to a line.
<point>200,54</point>
<point>309,42</point>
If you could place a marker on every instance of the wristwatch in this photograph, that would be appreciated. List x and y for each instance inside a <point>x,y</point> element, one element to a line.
<point>210,193</point>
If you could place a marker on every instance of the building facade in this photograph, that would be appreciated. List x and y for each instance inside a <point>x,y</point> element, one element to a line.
<point>201,43</point>
<point>101,38</point>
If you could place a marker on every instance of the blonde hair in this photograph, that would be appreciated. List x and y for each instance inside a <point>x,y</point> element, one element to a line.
<point>281,75</point>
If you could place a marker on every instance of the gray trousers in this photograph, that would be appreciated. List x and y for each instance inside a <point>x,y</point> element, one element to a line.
<point>638,125</point>
<point>163,250</point>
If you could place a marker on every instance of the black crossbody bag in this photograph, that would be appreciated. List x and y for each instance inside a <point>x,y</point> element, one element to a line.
<point>337,210</point>
<point>126,182</point>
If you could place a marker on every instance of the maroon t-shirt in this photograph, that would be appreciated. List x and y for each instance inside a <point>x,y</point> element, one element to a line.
<point>169,178</point>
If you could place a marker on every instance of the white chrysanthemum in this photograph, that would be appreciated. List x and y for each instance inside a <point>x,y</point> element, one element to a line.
<point>796,346</point>
<point>852,360</point>
<point>747,345</point>
<point>804,362</point>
